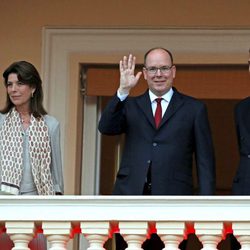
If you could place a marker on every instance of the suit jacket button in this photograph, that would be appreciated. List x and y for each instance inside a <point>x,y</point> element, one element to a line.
<point>148,161</point>
<point>248,156</point>
<point>154,144</point>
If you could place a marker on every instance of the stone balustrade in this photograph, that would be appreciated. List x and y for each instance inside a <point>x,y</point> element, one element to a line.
<point>98,218</point>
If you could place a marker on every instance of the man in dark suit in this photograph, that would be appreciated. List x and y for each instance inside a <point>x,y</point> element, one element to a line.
<point>157,159</point>
<point>241,183</point>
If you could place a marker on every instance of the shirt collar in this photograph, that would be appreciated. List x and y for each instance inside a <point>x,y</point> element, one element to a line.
<point>167,97</point>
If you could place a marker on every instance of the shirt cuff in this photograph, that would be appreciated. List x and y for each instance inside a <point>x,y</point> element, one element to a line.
<point>121,97</point>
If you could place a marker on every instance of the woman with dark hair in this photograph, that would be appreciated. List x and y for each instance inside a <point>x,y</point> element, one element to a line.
<point>30,154</point>
<point>30,158</point>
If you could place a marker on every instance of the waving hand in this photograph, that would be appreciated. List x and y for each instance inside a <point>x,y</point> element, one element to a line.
<point>127,76</point>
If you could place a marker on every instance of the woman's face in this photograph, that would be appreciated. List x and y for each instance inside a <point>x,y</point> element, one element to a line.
<point>19,92</point>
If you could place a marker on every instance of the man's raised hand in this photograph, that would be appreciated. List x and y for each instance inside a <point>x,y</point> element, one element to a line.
<point>127,76</point>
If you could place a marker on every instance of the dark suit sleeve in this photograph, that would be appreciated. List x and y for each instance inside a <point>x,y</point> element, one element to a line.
<point>236,122</point>
<point>204,153</point>
<point>113,121</point>
<point>241,181</point>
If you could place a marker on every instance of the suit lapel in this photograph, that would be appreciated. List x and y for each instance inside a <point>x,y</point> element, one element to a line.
<point>144,103</point>
<point>175,103</point>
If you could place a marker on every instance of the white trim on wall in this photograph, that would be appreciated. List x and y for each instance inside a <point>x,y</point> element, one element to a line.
<point>189,46</point>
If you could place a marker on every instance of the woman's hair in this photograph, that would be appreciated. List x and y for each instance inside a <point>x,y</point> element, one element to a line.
<point>27,74</point>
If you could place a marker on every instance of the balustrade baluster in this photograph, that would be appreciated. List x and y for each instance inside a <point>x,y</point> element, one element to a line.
<point>21,233</point>
<point>241,231</point>
<point>209,233</point>
<point>171,233</point>
<point>96,233</point>
<point>134,233</point>
<point>58,234</point>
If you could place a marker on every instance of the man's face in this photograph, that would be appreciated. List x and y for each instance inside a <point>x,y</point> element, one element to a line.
<point>159,72</point>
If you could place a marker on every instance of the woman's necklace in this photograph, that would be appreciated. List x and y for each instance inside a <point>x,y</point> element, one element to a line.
<point>25,119</point>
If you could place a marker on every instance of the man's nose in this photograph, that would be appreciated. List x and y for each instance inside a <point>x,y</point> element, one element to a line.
<point>158,72</point>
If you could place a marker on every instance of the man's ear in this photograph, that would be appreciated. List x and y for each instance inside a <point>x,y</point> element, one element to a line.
<point>144,73</point>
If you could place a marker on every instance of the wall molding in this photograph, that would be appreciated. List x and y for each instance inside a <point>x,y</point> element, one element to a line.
<point>189,46</point>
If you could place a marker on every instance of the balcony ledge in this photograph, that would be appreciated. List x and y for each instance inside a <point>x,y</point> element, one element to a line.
<point>124,208</point>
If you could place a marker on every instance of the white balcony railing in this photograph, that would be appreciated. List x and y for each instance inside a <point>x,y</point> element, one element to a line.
<point>97,218</point>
